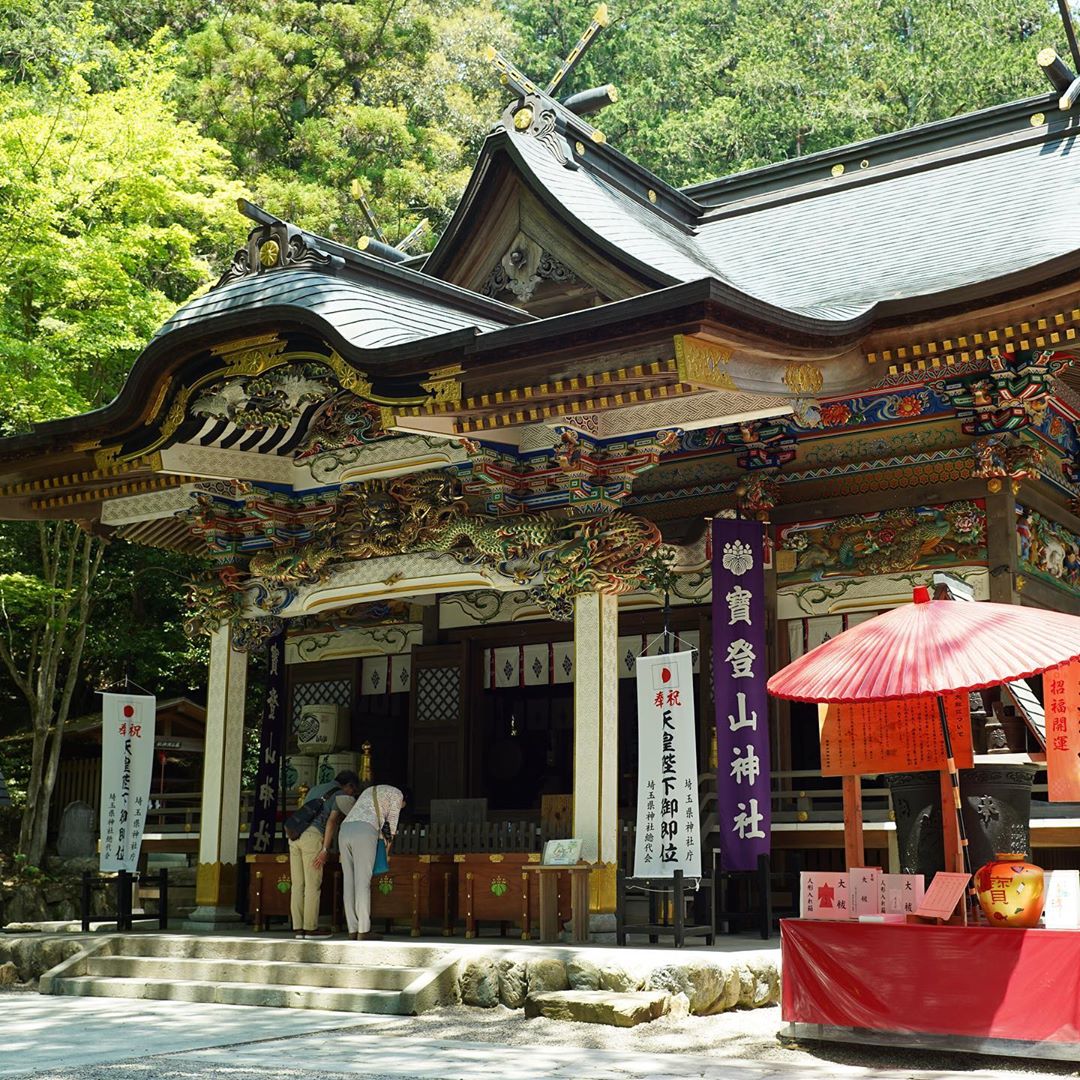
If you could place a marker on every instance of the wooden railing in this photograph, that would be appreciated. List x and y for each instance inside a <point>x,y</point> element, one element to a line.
<point>480,836</point>
<point>800,796</point>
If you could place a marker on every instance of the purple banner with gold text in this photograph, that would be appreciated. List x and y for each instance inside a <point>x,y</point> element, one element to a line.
<point>740,671</point>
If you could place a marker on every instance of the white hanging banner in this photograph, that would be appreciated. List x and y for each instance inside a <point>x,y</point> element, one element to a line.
<point>668,835</point>
<point>127,764</point>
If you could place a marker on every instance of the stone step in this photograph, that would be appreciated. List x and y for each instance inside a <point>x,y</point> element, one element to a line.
<point>625,1009</point>
<point>264,972</point>
<point>389,1002</point>
<point>283,950</point>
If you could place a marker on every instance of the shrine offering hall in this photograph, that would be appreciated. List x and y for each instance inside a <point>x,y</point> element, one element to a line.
<point>461,494</point>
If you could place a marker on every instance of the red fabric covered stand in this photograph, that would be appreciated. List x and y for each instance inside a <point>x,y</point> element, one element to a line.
<point>974,988</point>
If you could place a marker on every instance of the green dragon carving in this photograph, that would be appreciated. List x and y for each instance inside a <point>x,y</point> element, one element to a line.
<point>293,566</point>
<point>503,539</point>
<point>609,554</point>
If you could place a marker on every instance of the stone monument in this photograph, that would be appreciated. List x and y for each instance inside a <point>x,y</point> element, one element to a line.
<point>78,832</point>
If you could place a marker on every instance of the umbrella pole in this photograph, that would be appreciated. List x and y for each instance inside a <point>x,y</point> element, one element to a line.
<point>961,859</point>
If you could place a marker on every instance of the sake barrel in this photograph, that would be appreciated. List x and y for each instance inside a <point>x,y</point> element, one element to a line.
<point>300,772</point>
<point>331,764</point>
<point>321,729</point>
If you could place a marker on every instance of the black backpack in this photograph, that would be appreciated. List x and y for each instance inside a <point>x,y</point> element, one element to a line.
<point>300,820</point>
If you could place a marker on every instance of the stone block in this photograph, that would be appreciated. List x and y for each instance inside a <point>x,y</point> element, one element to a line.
<point>480,983</point>
<point>513,982</point>
<point>598,1006</point>
<point>78,835</point>
<point>678,1006</point>
<point>546,974</point>
<point>759,984</point>
<point>33,956</point>
<point>705,985</point>
<point>9,974</point>
<point>582,974</point>
<point>619,979</point>
<point>26,904</point>
<point>732,991</point>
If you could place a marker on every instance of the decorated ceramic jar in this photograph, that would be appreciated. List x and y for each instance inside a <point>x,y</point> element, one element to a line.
<point>1010,891</point>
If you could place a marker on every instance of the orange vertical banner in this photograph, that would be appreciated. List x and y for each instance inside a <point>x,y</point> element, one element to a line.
<point>1061,694</point>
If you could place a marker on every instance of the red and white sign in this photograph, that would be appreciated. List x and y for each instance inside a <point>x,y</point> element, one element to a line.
<point>864,884</point>
<point>127,761</point>
<point>824,894</point>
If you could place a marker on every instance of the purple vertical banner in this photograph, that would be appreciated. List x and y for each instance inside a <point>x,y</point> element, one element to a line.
<point>271,750</point>
<point>740,671</point>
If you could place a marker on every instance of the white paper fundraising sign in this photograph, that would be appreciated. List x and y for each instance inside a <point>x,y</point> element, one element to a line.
<point>668,837</point>
<point>127,762</point>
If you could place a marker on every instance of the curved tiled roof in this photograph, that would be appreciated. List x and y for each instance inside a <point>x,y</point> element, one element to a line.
<point>369,313</point>
<point>908,220</point>
<point>943,222</point>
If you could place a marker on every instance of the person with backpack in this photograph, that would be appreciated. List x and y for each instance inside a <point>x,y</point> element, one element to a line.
<point>373,818</point>
<point>317,819</point>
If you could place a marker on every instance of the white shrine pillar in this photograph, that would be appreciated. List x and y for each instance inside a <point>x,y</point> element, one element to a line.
<point>596,742</point>
<point>219,827</point>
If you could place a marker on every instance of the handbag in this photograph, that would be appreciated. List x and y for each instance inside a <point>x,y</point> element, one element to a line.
<point>382,860</point>
<point>381,865</point>
<point>297,823</point>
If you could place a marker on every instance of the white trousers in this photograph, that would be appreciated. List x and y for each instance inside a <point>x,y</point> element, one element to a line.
<point>306,879</point>
<point>356,842</point>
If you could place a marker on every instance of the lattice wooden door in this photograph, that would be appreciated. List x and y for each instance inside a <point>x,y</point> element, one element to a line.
<point>437,728</point>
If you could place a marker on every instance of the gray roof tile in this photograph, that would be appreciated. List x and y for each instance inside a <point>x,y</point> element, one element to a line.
<point>939,215</point>
<point>368,313</point>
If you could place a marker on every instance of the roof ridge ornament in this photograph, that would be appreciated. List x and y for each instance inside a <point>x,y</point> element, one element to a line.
<point>537,111</point>
<point>275,245</point>
<point>1056,70</point>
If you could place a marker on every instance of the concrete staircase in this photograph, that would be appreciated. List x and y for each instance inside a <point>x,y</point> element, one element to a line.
<point>348,976</point>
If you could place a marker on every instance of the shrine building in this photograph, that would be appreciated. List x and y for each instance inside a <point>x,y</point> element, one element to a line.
<point>463,483</point>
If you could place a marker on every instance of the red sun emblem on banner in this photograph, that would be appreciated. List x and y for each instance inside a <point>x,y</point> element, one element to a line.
<point>665,674</point>
<point>129,710</point>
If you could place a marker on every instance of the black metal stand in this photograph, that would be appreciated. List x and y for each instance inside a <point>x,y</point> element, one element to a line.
<point>123,880</point>
<point>667,909</point>
<point>758,910</point>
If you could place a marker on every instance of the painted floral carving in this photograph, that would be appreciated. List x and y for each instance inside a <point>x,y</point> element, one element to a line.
<point>835,414</point>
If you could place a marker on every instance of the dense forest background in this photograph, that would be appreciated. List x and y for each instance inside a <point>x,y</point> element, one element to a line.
<point>129,127</point>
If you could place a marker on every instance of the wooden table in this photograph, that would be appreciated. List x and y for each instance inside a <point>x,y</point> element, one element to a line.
<point>984,989</point>
<point>548,882</point>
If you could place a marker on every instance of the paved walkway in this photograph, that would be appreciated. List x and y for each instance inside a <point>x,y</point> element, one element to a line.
<point>57,1038</point>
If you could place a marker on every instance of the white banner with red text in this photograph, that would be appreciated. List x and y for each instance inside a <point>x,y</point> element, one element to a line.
<point>127,763</point>
<point>668,833</point>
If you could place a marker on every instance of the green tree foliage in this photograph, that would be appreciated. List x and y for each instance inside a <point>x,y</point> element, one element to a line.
<point>116,211</point>
<point>711,88</point>
<point>309,97</point>
<point>43,623</point>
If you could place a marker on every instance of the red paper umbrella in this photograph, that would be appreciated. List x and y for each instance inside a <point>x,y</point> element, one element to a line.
<point>931,647</point>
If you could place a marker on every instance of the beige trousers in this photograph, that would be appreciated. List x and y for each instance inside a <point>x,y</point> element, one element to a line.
<point>306,880</point>
<point>356,841</point>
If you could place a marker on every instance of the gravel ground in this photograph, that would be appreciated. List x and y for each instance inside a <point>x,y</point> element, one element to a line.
<point>743,1034</point>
